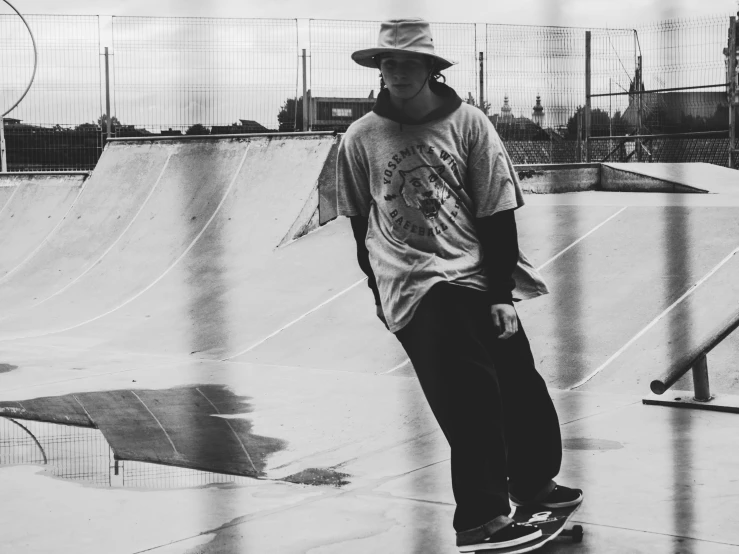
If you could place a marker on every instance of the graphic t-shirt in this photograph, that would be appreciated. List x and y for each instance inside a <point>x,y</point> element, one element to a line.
<point>422,186</point>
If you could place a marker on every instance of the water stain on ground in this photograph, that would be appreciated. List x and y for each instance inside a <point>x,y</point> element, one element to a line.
<point>6,368</point>
<point>177,426</point>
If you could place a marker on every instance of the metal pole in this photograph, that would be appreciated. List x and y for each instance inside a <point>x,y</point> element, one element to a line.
<point>638,86</point>
<point>579,136</point>
<point>610,115</point>
<point>587,96</point>
<point>3,152</point>
<point>482,84</point>
<point>109,132</point>
<point>305,92</point>
<point>700,380</point>
<point>731,60</point>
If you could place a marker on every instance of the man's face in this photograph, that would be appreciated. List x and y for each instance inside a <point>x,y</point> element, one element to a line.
<point>404,74</point>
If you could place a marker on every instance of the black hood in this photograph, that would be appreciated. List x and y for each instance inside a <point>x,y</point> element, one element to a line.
<point>385,108</point>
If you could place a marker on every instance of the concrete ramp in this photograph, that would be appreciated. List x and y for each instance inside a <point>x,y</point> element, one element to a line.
<point>32,206</point>
<point>180,214</point>
<point>669,177</point>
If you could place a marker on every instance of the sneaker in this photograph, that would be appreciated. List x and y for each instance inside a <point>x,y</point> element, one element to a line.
<point>559,497</point>
<point>510,535</point>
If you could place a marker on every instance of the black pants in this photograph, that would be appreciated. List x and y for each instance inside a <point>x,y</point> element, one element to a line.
<point>491,403</point>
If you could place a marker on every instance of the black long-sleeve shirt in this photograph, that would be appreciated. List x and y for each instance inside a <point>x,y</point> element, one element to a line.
<point>498,237</point>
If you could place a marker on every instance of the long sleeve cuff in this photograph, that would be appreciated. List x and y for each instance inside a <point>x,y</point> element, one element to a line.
<point>359,228</point>
<point>498,237</point>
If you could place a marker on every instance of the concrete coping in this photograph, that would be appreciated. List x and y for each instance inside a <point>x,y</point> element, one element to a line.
<point>603,176</point>
<point>213,137</point>
<point>47,173</point>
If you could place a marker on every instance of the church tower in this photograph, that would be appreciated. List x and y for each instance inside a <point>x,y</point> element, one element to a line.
<point>506,115</point>
<point>538,115</point>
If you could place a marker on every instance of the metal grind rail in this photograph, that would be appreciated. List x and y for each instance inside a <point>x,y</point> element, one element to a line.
<point>695,359</point>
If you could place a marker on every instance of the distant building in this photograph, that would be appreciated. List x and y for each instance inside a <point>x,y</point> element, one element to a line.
<point>171,133</point>
<point>329,113</point>
<point>538,114</point>
<point>247,126</point>
<point>506,114</point>
<point>250,126</point>
<point>510,127</point>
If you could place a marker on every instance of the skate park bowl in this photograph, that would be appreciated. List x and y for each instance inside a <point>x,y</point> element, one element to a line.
<point>189,349</point>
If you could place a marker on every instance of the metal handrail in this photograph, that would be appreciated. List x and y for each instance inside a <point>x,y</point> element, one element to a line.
<point>695,359</point>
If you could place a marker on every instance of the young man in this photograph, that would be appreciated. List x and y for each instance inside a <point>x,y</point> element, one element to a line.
<point>431,194</point>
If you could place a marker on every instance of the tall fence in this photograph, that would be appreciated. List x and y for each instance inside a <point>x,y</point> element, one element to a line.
<point>233,75</point>
<point>535,85</point>
<point>206,75</point>
<point>678,94</point>
<point>54,127</point>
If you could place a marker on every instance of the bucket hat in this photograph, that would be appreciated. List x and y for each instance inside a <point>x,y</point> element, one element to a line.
<point>412,35</point>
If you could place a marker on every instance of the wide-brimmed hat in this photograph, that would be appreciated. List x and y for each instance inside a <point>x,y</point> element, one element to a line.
<point>409,36</point>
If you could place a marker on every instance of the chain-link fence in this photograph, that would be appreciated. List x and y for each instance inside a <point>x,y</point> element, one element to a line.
<point>221,75</point>
<point>203,75</point>
<point>54,127</point>
<point>677,94</point>
<point>682,54</point>
<point>535,86</point>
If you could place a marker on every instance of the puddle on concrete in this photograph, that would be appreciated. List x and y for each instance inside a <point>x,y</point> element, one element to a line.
<point>5,368</point>
<point>83,455</point>
<point>590,444</point>
<point>175,427</point>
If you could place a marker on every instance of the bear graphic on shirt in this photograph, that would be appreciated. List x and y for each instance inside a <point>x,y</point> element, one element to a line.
<point>423,188</point>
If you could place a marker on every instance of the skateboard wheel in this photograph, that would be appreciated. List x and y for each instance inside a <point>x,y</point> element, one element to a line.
<point>577,533</point>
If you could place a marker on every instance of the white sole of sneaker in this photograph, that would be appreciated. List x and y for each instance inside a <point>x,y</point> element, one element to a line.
<point>500,545</point>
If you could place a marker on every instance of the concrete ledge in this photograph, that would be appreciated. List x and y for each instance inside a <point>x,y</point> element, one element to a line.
<point>620,180</point>
<point>538,179</point>
<point>558,178</point>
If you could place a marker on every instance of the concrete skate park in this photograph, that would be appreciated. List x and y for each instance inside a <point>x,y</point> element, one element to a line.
<point>190,361</point>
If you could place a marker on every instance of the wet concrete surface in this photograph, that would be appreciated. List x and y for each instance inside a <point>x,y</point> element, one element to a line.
<point>280,370</point>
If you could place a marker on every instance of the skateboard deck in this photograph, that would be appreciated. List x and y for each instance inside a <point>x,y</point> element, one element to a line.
<point>551,521</point>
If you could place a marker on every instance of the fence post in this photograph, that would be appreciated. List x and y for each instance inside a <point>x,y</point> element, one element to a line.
<point>587,96</point>
<point>638,87</point>
<point>306,101</point>
<point>482,84</point>
<point>579,136</point>
<point>109,123</point>
<point>731,60</point>
<point>3,152</point>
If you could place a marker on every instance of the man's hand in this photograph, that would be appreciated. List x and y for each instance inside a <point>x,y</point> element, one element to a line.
<point>381,316</point>
<point>505,320</point>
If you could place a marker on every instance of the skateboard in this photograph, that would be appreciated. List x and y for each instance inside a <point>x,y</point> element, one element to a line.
<point>551,521</point>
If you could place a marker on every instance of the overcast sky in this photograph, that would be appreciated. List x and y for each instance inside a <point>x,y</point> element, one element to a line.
<point>571,13</point>
<point>593,13</point>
